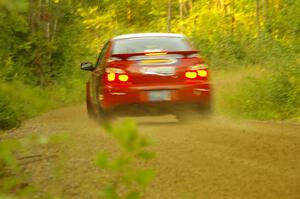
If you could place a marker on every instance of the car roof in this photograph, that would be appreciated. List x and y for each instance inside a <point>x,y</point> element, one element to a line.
<point>129,36</point>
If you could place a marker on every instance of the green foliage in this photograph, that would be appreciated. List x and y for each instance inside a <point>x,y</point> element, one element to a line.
<point>43,42</point>
<point>276,96</point>
<point>127,181</point>
<point>269,91</point>
<point>19,101</point>
<point>39,57</point>
<point>8,117</point>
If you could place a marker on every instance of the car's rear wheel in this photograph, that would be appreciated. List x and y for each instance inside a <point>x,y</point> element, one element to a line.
<point>90,111</point>
<point>103,116</point>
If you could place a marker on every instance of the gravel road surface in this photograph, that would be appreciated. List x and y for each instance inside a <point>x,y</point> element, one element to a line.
<point>206,158</point>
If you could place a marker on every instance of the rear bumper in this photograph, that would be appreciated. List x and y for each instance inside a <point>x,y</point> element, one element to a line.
<point>186,92</point>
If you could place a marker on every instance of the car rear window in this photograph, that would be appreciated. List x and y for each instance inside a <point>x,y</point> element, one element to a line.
<point>150,44</point>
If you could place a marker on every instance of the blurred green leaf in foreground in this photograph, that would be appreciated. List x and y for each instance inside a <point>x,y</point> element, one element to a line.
<point>127,180</point>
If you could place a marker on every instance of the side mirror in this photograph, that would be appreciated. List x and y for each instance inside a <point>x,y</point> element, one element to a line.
<point>87,66</point>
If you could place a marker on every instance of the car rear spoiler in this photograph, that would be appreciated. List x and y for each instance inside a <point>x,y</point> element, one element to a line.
<point>127,55</point>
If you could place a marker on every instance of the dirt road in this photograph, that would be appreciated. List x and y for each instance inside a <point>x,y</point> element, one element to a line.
<point>207,159</point>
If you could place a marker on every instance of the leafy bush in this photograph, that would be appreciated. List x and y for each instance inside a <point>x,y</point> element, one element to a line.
<point>267,92</point>
<point>276,96</point>
<point>19,101</point>
<point>127,181</point>
<point>8,117</point>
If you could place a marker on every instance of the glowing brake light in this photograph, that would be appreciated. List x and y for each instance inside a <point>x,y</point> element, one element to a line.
<point>123,78</point>
<point>196,71</point>
<point>111,77</point>
<point>116,74</point>
<point>190,75</point>
<point>202,73</point>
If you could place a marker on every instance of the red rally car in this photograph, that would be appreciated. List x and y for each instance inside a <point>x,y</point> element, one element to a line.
<point>147,74</point>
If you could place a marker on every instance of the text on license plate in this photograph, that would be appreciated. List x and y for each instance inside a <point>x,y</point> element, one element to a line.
<point>162,95</point>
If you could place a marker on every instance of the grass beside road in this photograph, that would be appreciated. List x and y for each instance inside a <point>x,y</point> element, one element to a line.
<point>258,92</point>
<point>19,101</point>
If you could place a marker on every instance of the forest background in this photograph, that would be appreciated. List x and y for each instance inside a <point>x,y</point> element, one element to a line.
<point>252,47</point>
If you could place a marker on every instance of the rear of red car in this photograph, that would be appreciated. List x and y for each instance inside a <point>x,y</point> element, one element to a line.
<point>153,70</point>
<point>146,74</point>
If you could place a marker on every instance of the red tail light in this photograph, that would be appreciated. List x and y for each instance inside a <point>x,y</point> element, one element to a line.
<point>199,71</point>
<point>191,74</point>
<point>123,78</point>
<point>116,75</point>
<point>202,72</point>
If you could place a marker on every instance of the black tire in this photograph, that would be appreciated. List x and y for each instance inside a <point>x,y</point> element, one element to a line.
<point>89,106</point>
<point>91,113</point>
<point>104,117</point>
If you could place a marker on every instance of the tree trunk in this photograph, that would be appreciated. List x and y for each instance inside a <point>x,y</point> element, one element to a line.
<point>258,18</point>
<point>129,13</point>
<point>181,14</point>
<point>54,28</point>
<point>31,15</point>
<point>190,5</point>
<point>219,4</point>
<point>169,16</point>
<point>267,23</point>
<point>46,19</point>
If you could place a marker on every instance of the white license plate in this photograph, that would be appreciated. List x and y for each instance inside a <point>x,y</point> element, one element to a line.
<point>164,95</point>
<point>163,71</point>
